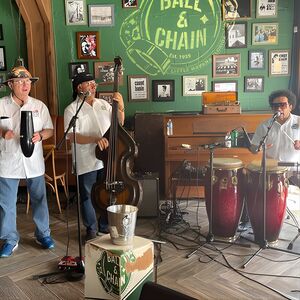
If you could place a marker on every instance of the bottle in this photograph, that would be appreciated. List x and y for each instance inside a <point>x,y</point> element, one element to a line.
<point>169,127</point>
<point>228,140</point>
<point>234,136</point>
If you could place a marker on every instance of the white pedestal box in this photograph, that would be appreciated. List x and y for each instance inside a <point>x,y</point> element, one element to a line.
<point>117,272</point>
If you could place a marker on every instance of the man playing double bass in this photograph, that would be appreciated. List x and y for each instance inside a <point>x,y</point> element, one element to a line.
<point>94,119</point>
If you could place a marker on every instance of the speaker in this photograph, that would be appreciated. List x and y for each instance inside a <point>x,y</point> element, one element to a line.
<point>149,204</point>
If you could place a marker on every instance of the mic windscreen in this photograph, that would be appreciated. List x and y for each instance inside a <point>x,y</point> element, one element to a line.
<point>246,138</point>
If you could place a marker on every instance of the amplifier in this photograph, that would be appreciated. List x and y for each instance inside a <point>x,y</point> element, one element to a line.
<point>149,204</point>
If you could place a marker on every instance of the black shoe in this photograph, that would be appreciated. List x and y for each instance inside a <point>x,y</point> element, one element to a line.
<point>90,235</point>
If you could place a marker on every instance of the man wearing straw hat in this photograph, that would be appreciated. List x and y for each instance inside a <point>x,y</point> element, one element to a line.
<point>15,165</point>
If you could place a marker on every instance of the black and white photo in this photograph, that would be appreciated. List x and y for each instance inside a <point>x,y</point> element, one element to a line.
<point>257,59</point>
<point>236,35</point>
<point>2,59</point>
<point>163,90</point>
<point>226,65</point>
<point>194,85</point>
<point>75,12</point>
<point>78,67</point>
<point>102,15</point>
<point>254,83</point>
<point>266,8</point>
<point>236,9</point>
<point>129,3</point>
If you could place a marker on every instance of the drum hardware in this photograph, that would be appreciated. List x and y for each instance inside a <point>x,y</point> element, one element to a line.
<point>263,243</point>
<point>209,202</point>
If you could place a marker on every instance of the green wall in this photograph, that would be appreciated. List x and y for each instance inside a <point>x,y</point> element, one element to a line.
<point>138,27</point>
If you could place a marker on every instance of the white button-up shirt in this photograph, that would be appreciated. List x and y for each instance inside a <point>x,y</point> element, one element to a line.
<point>13,163</point>
<point>92,120</point>
<point>280,136</point>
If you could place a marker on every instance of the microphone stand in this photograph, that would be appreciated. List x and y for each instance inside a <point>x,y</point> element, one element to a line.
<point>264,243</point>
<point>74,273</point>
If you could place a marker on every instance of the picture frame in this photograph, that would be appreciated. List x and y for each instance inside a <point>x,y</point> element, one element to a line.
<point>236,35</point>
<point>107,96</point>
<point>138,88</point>
<point>2,79</point>
<point>194,85</point>
<point>226,65</point>
<point>163,90</point>
<point>254,84</point>
<point>1,33</point>
<point>225,86</point>
<point>78,67</point>
<point>279,62</point>
<point>88,45</point>
<point>236,9</point>
<point>104,73</point>
<point>102,15</point>
<point>257,59</point>
<point>76,12</point>
<point>129,3</point>
<point>265,33</point>
<point>266,8</point>
<point>2,59</point>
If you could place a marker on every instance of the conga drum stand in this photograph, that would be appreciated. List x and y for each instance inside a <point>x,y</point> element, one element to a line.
<point>263,243</point>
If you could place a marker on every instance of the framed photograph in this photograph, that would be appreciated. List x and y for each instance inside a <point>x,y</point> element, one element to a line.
<point>163,90</point>
<point>225,86</point>
<point>264,33</point>
<point>2,78</point>
<point>1,32</point>
<point>104,72</point>
<point>138,88</point>
<point>257,59</point>
<point>279,62</point>
<point>129,3</point>
<point>194,85</point>
<point>77,67</point>
<point>2,59</point>
<point>102,15</point>
<point>226,65</point>
<point>75,12</point>
<point>236,35</point>
<point>266,8</point>
<point>236,9</point>
<point>254,84</point>
<point>107,96</point>
<point>88,45</point>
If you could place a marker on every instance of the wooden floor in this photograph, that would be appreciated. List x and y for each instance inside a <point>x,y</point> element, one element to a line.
<point>213,272</point>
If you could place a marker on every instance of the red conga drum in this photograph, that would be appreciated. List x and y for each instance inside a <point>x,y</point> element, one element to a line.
<point>224,211</point>
<point>276,194</point>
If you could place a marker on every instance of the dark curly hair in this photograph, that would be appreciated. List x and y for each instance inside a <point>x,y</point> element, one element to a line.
<point>284,93</point>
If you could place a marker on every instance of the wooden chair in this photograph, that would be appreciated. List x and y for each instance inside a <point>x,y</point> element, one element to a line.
<point>51,177</point>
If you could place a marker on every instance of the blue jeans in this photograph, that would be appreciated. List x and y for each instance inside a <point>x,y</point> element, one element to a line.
<point>8,210</point>
<point>86,182</point>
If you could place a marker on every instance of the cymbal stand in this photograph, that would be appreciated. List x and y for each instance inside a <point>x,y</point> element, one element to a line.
<point>290,213</point>
<point>264,243</point>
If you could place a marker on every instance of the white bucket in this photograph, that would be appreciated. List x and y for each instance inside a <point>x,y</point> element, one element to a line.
<point>121,223</point>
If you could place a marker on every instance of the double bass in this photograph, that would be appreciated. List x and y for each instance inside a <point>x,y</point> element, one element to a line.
<point>120,186</point>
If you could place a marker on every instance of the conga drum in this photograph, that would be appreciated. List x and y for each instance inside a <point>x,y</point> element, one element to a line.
<point>225,207</point>
<point>276,194</point>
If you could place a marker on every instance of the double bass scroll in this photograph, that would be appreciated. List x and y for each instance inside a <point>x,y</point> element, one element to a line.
<point>120,186</point>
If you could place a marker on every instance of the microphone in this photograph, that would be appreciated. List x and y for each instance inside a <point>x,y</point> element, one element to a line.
<point>4,117</point>
<point>287,164</point>
<point>246,137</point>
<point>277,114</point>
<point>85,94</point>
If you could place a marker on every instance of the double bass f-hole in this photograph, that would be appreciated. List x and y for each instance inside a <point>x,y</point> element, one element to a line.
<point>119,186</point>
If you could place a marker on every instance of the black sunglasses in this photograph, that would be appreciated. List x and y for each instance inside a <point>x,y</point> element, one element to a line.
<point>281,105</point>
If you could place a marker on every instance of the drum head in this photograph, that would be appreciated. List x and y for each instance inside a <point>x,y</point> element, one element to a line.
<point>271,166</point>
<point>227,163</point>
